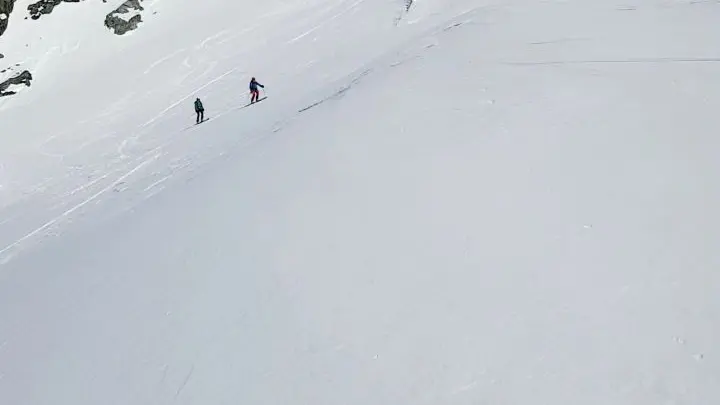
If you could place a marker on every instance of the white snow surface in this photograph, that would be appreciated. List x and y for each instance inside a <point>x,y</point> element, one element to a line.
<point>475,202</point>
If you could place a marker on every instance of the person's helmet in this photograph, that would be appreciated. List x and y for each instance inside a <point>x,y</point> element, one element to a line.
<point>253,79</point>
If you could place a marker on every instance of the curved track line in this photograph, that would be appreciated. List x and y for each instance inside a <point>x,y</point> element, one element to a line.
<point>67,213</point>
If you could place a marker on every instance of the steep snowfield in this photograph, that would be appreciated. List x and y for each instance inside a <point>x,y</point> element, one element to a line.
<point>503,202</point>
<point>102,106</point>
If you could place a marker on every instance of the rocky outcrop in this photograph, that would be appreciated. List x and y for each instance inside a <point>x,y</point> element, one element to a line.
<point>23,78</point>
<point>45,7</point>
<point>125,18</point>
<point>121,20</point>
<point>6,7</point>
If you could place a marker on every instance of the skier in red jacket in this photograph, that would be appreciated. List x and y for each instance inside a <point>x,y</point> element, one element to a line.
<point>255,93</point>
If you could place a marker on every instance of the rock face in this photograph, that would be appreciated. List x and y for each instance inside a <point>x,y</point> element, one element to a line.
<point>120,25</point>
<point>121,20</point>
<point>23,78</point>
<point>6,7</point>
<point>45,7</point>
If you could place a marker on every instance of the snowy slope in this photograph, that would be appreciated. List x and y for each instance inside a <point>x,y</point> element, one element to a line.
<point>501,202</point>
<point>102,106</point>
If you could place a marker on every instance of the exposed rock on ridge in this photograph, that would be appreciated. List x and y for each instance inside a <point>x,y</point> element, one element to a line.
<point>23,78</point>
<point>121,25</point>
<point>41,7</point>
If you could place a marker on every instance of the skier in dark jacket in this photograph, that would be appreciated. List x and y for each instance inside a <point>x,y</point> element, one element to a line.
<point>200,111</point>
<point>255,93</point>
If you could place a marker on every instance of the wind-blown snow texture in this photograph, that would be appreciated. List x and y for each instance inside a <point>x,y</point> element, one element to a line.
<point>499,201</point>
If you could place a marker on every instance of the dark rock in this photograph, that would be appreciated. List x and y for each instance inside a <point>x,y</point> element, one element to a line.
<point>120,25</point>
<point>23,78</point>
<point>6,7</point>
<point>41,7</point>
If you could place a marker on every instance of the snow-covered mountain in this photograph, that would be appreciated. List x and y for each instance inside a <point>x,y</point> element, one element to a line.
<point>456,202</point>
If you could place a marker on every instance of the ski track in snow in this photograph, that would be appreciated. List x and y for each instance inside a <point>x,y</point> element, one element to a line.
<point>618,61</point>
<point>4,257</point>
<point>157,183</point>
<point>184,382</point>
<point>84,186</point>
<point>186,97</point>
<point>211,38</point>
<point>463,388</point>
<point>163,59</point>
<point>327,21</point>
